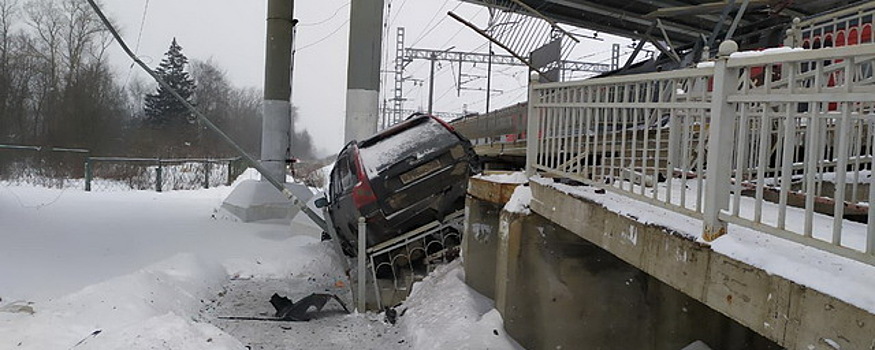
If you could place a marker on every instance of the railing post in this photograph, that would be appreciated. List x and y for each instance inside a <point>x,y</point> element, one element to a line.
<point>720,145</point>
<point>533,125</point>
<point>206,174</point>
<point>158,176</point>
<point>88,174</point>
<point>362,266</point>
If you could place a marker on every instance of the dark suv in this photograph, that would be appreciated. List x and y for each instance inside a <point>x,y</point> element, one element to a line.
<point>402,178</point>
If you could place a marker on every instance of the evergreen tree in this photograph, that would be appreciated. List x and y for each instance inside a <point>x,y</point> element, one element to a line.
<point>162,109</point>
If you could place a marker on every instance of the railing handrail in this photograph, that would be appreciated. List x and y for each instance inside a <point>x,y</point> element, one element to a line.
<point>630,78</point>
<point>793,117</point>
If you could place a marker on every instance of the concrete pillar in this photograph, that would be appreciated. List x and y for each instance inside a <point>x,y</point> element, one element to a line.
<point>277,122</point>
<point>363,73</point>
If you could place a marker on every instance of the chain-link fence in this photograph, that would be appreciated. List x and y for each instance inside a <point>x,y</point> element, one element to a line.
<point>45,166</point>
<point>115,173</point>
<point>60,167</point>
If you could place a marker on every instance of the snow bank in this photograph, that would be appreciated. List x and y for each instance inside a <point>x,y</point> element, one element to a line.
<point>444,313</point>
<point>132,311</point>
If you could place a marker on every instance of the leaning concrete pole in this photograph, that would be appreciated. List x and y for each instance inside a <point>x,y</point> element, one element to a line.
<point>277,123</point>
<point>363,74</point>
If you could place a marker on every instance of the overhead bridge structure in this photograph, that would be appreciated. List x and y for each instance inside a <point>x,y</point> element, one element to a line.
<point>726,200</point>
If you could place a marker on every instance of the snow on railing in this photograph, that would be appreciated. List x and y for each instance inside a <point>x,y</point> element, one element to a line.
<point>741,141</point>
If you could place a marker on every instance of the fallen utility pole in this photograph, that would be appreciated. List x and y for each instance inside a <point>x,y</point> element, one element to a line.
<point>251,161</point>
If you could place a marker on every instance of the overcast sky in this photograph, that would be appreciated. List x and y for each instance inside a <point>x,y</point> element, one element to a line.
<point>232,33</point>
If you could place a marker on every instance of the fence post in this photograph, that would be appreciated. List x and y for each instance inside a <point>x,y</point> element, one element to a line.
<point>533,125</point>
<point>88,174</point>
<point>362,265</point>
<point>720,132</point>
<point>230,171</point>
<point>158,176</point>
<point>206,174</point>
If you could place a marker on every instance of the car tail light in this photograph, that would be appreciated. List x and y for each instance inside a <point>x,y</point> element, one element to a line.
<point>362,193</point>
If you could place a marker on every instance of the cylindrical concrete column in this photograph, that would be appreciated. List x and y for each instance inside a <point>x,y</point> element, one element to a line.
<point>276,125</point>
<point>363,74</point>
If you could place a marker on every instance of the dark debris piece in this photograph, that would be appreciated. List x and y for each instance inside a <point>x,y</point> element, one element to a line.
<point>391,315</point>
<point>288,310</point>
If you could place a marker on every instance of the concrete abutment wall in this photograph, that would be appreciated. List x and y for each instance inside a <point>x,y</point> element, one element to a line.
<point>573,274</point>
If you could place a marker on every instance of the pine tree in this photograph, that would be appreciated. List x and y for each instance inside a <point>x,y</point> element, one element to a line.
<point>162,109</point>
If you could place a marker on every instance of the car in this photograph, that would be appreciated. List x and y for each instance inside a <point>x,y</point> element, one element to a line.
<point>399,179</point>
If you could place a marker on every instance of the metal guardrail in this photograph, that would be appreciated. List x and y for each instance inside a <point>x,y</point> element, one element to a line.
<point>396,264</point>
<point>793,128</point>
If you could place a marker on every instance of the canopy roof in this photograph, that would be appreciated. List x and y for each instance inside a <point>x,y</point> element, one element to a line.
<point>684,21</point>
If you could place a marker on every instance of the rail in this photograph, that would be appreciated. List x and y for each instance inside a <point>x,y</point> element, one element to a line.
<point>742,140</point>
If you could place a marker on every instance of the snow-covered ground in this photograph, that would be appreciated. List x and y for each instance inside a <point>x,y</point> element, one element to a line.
<point>146,270</point>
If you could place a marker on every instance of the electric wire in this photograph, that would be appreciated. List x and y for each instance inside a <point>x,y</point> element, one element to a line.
<point>324,20</point>
<point>323,38</point>
<point>435,25</point>
<point>428,25</point>
<point>142,24</point>
<point>397,12</point>
<point>137,46</point>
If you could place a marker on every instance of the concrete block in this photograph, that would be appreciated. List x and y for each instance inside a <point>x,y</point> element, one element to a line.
<point>480,245</point>
<point>253,200</point>
<point>819,321</point>
<point>495,192</point>
<point>681,263</point>
<point>507,261</point>
<point>749,295</point>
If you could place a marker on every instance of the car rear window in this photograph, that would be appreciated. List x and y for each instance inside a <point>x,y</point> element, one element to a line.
<point>418,140</point>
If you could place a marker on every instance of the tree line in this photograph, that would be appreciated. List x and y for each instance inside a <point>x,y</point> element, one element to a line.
<point>57,88</point>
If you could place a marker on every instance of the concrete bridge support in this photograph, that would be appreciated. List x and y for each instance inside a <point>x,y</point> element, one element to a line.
<point>572,274</point>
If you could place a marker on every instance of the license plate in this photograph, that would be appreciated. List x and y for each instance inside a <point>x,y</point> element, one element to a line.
<point>414,174</point>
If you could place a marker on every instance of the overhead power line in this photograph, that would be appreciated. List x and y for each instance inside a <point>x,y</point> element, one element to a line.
<point>324,20</point>
<point>323,38</point>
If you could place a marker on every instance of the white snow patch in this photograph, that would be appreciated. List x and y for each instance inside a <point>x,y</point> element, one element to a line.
<point>706,64</point>
<point>832,343</point>
<point>390,149</point>
<point>444,313</point>
<point>520,200</point>
<point>640,211</point>
<point>516,177</point>
<point>158,302</point>
<point>769,51</point>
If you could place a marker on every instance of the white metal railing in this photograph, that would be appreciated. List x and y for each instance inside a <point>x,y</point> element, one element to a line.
<point>742,141</point>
